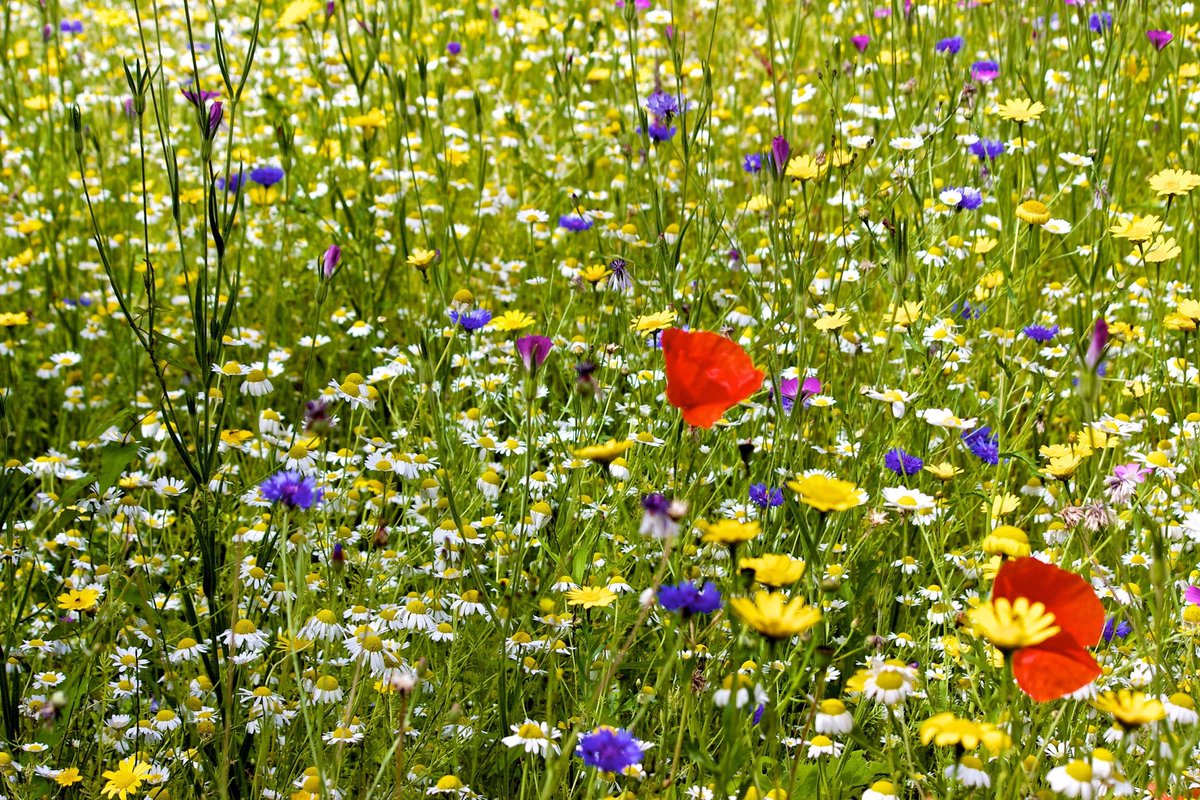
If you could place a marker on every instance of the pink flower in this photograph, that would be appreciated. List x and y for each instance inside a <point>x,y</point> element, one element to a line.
<point>1160,39</point>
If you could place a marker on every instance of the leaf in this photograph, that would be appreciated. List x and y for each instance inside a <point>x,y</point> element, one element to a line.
<point>113,461</point>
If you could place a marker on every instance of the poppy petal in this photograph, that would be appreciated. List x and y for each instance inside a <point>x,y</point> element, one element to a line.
<point>1054,668</point>
<point>1067,596</point>
<point>707,374</point>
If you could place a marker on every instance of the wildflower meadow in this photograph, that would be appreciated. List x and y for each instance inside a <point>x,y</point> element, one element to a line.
<point>544,399</point>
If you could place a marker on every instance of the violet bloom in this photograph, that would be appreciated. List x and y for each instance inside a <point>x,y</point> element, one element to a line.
<point>861,42</point>
<point>1114,628</point>
<point>987,148</point>
<point>533,351</point>
<point>661,104</point>
<point>969,199</point>
<point>472,320</point>
<point>1192,595</point>
<point>1095,351</point>
<point>71,26</point>
<point>983,444</point>
<point>575,223</point>
<point>291,488</point>
<point>661,132</point>
<point>454,48</point>
<point>266,176</point>
<point>215,112</point>
<point>780,150</point>
<point>902,463</point>
<point>660,519</point>
<point>609,749</point>
<point>197,97</point>
<point>1100,22</point>
<point>1040,333</point>
<point>752,163</point>
<point>687,598</point>
<point>330,261</point>
<point>789,388</point>
<point>949,46</point>
<point>230,184</point>
<point>985,71</point>
<point>1160,39</point>
<point>764,496</point>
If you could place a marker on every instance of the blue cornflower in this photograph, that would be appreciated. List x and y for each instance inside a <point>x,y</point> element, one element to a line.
<point>985,71</point>
<point>1040,333</point>
<point>950,45</point>
<point>574,222</point>
<point>1100,22</point>
<point>71,26</point>
<point>983,444</point>
<point>968,311</point>
<point>987,148</point>
<point>661,104</point>
<point>687,598</point>
<point>293,489</point>
<point>472,320</point>
<point>764,496</point>
<point>758,714</point>
<point>229,184</point>
<point>266,176</point>
<point>609,749</point>
<point>661,131</point>
<point>1118,629</point>
<point>902,463</point>
<point>971,199</point>
<point>453,48</point>
<point>752,163</point>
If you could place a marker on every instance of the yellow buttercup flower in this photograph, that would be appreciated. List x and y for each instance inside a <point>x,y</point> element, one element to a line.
<point>774,616</point>
<point>1162,249</point>
<point>1011,625</point>
<point>1007,540</point>
<point>1174,182</point>
<point>78,600</point>
<point>371,120</point>
<point>774,569</point>
<point>1021,111</point>
<point>1137,229</point>
<point>420,258</point>
<point>827,494</point>
<point>729,531</point>
<point>604,453</point>
<point>512,321</point>
<point>1130,709</point>
<point>591,597</point>
<point>12,320</point>
<point>297,12</point>
<point>804,168</point>
<point>947,730</point>
<point>126,779</point>
<point>649,323</point>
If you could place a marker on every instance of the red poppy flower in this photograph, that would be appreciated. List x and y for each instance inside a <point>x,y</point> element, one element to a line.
<point>1061,664</point>
<point>706,374</point>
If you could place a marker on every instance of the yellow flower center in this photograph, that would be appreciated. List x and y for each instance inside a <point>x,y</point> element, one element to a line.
<point>530,730</point>
<point>1011,625</point>
<point>889,681</point>
<point>1080,771</point>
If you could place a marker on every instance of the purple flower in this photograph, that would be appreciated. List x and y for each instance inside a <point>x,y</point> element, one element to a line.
<point>293,489</point>
<point>330,261</point>
<point>789,388</point>
<point>661,132</point>
<point>215,112</point>
<point>987,148</point>
<point>752,163</point>
<point>71,26</point>
<point>1040,333</point>
<point>1192,595</point>
<point>454,48</point>
<point>687,598</point>
<point>1160,39</point>
<point>758,714</point>
<point>985,71</point>
<point>1100,22</point>
<point>266,176</point>
<point>198,97</point>
<point>230,184</point>
<point>472,320</point>
<point>951,45</point>
<point>533,351</point>
<point>1132,472</point>
<point>861,42</point>
<point>780,150</point>
<point>764,496</point>
<point>620,278</point>
<point>902,463</point>
<point>574,222</point>
<point>968,311</point>
<point>1118,629</point>
<point>609,749</point>
<point>661,104</point>
<point>1095,350</point>
<point>983,444</point>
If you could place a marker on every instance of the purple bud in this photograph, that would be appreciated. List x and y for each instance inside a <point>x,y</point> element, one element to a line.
<point>331,259</point>
<point>215,112</point>
<point>48,33</point>
<point>1099,341</point>
<point>329,9</point>
<point>533,350</point>
<point>130,108</point>
<point>454,48</point>
<point>780,150</point>
<point>860,42</point>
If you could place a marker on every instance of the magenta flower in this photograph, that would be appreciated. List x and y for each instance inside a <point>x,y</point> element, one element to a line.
<point>330,261</point>
<point>533,350</point>
<point>1132,472</point>
<point>780,150</point>
<point>1192,595</point>
<point>790,389</point>
<point>861,42</point>
<point>1095,350</point>
<point>1160,39</point>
